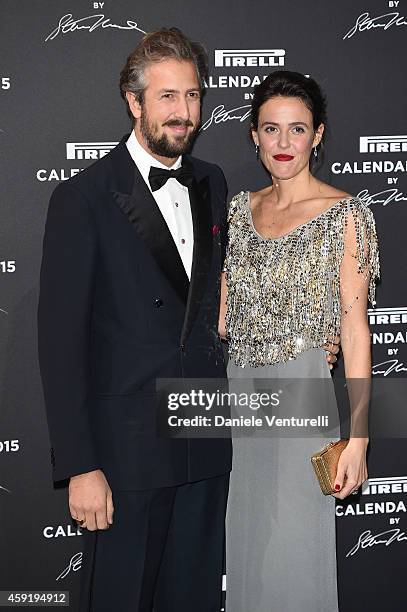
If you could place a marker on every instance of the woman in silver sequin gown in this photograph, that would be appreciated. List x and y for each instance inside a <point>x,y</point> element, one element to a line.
<point>301,261</point>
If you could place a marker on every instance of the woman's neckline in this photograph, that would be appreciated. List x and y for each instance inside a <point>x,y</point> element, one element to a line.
<point>321,214</point>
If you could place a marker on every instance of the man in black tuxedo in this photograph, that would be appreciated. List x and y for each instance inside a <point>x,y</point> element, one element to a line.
<point>129,293</point>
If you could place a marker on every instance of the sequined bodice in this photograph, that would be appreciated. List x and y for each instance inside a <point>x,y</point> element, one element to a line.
<point>284,293</point>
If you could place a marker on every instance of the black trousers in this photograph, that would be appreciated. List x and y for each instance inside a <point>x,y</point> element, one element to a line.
<point>164,551</point>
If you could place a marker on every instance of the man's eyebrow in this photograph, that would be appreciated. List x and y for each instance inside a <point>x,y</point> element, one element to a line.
<point>164,90</point>
<point>292,123</point>
<point>168,90</point>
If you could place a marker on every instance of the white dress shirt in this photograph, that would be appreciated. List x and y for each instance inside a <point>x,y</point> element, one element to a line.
<point>172,200</point>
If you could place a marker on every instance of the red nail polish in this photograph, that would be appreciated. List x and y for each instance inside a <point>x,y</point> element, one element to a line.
<point>337,487</point>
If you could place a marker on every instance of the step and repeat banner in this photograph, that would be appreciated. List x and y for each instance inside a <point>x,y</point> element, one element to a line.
<point>61,110</point>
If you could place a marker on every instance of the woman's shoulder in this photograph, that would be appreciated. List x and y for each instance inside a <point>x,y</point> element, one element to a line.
<point>352,213</point>
<point>329,194</point>
<point>354,206</point>
<point>343,201</point>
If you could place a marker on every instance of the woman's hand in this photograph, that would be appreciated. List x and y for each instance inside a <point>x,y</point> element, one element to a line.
<point>352,468</point>
<point>332,349</point>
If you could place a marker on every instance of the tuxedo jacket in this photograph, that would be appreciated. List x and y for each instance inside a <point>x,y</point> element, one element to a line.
<point>116,312</point>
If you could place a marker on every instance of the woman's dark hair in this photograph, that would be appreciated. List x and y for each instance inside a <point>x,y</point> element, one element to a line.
<point>293,85</point>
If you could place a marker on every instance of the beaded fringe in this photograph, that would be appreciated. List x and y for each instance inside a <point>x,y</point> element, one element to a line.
<point>284,293</point>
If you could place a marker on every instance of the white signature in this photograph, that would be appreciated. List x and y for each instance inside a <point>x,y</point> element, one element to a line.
<point>220,115</point>
<point>66,24</point>
<point>382,197</point>
<point>5,311</point>
<point>392,365</point>
<point>4,489</point>
<point>75,564</point>
<point>367,539</point>
<point>365,22</point>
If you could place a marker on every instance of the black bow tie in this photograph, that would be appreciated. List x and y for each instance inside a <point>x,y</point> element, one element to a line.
<point>157,177</point>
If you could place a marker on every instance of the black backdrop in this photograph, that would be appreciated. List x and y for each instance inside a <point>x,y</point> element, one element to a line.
<point>59,68</point>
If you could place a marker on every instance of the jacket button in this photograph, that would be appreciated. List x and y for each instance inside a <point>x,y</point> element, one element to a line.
<point>158,302</point>
<point>182,347</point>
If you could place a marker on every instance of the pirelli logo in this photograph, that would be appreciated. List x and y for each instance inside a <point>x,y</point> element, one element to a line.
<point>88,150</point>
<point>383,144</point>
<point>387,316</point>
<point>385,486</point>
<point>263,58</point>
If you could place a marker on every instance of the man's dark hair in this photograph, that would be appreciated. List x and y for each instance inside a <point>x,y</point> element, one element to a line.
<point>163,44</point>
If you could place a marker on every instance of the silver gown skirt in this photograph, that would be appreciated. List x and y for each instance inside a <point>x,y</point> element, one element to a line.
<point>280,528</point>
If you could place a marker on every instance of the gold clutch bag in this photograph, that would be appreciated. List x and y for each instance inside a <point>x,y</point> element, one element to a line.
<point>325,463</point>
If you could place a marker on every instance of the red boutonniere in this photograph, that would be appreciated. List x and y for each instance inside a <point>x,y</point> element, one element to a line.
<point>215,230</point>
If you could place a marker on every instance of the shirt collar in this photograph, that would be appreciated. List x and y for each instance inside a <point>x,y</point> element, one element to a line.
<point>144,160</point>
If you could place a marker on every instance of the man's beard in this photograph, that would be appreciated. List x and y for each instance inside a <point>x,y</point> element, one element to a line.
<point>162,145</point>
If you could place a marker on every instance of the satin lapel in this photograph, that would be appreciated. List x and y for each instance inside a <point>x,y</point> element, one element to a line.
<point>199,196</point>
<point>143,213</point>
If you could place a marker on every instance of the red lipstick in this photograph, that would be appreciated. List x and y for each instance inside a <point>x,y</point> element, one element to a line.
<point>283,157</point>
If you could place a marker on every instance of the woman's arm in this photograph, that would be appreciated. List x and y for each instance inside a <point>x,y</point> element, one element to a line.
<point>355,336</point>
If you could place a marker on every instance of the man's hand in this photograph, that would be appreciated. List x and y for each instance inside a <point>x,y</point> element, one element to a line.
<point>332,349</point>
<point>90,499</point>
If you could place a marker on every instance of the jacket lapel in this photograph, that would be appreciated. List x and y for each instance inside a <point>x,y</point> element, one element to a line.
<point>199,196</point>
<point>143,213</point>
<point>141,210</point>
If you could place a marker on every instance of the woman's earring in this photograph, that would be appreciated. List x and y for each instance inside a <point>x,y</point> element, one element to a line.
<point>315,152</point>
<point>256,148</point>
